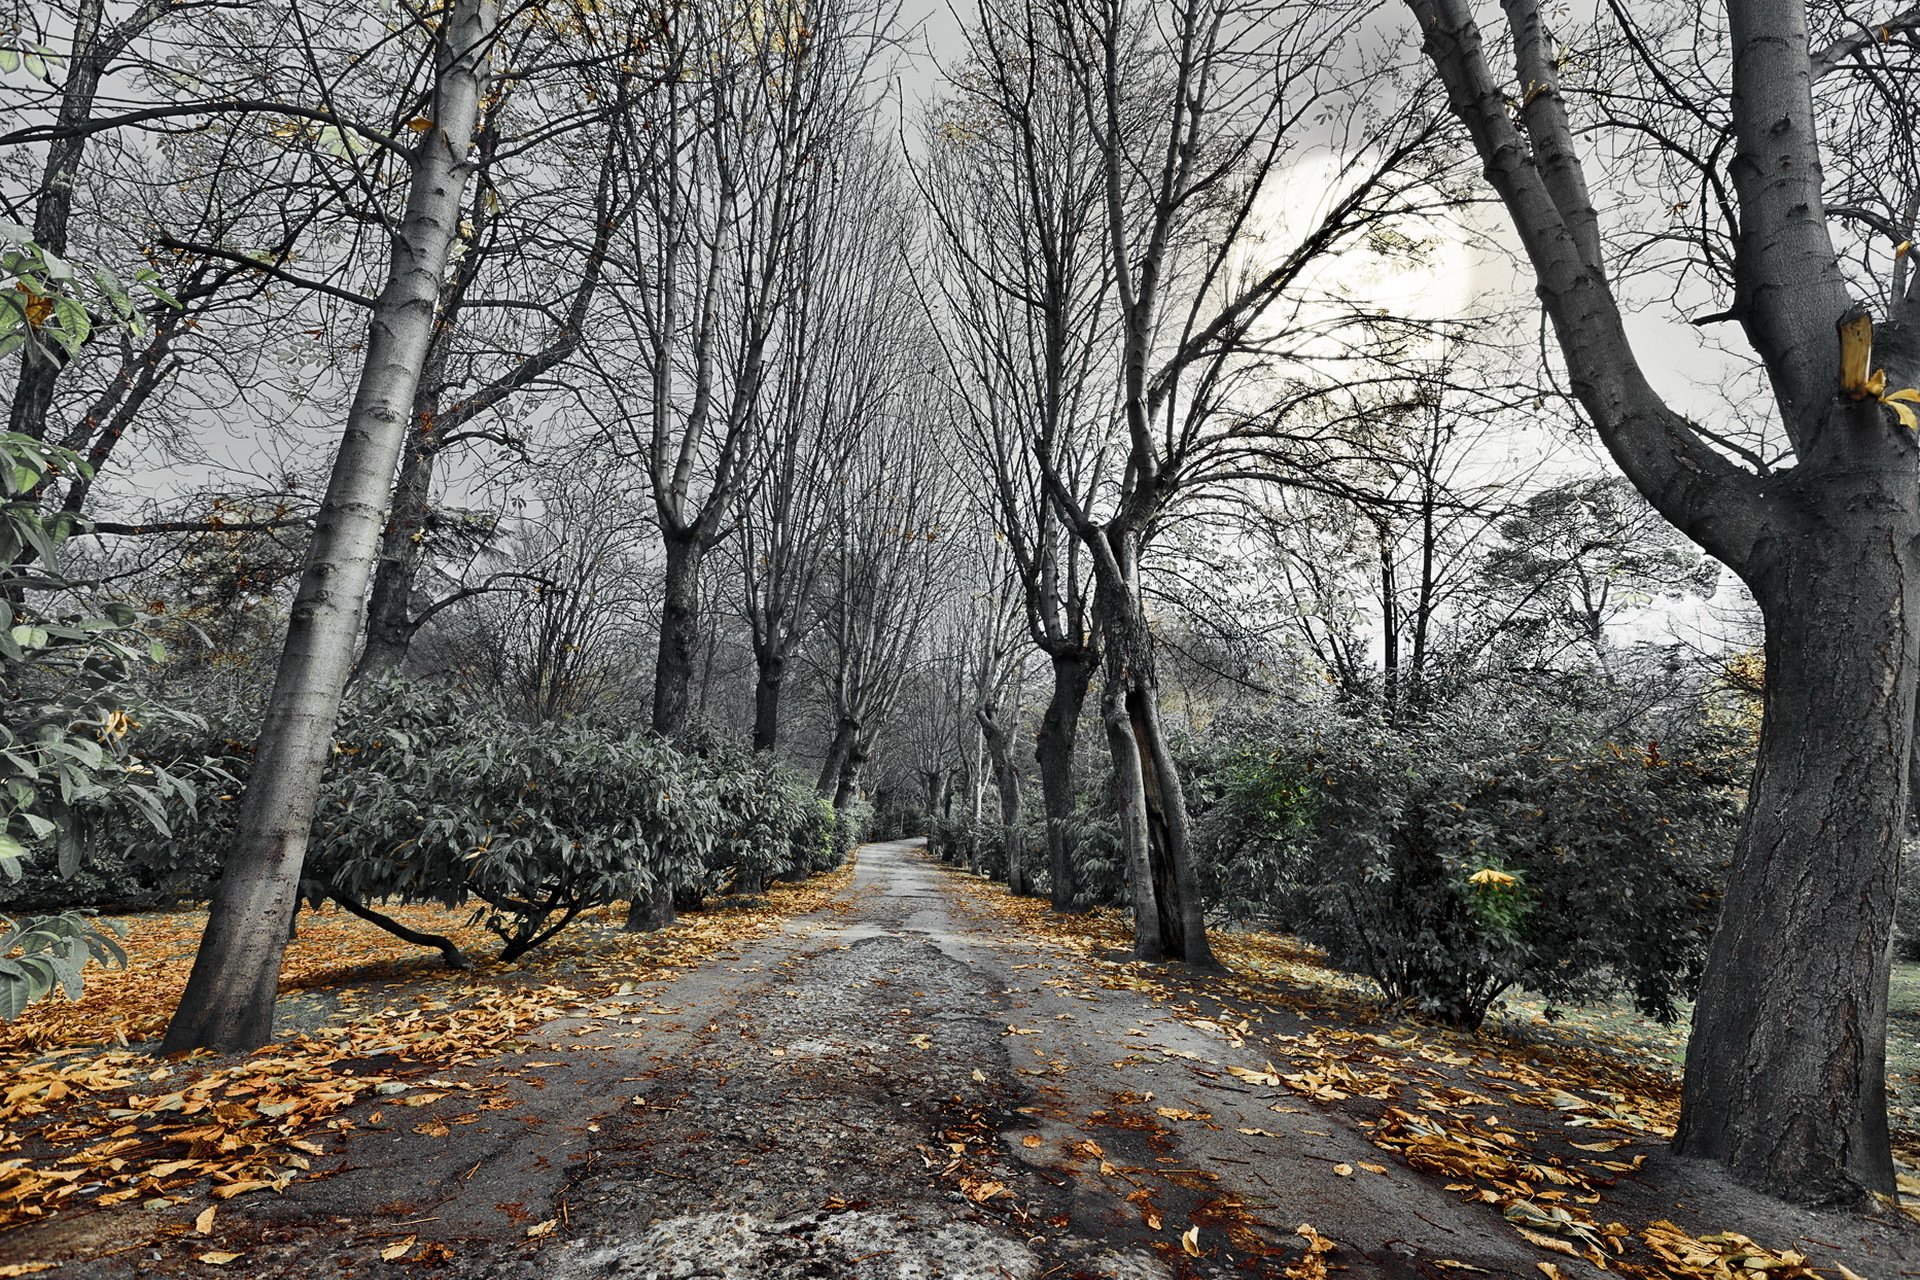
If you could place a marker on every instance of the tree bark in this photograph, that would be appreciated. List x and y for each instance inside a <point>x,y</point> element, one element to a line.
<point>1054,750</point>
<point>679,636</point>
<point>1006,781</point>
<point>652,911</point>
<point>768,684</point>
<point>846,734</point>
<point>228,1003</point>
<point>1130,808</point>
<point>390,606</point>
<point>1786,1067</point>
<point>1148,794</point>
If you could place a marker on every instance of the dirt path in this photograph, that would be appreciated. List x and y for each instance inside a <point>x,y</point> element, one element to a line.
<point>898,1087</point>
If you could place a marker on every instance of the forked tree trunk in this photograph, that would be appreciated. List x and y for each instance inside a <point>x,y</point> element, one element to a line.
<point>1054,750</point>
<point>1786,1068</point>
<point>1130,809</point>
<point>1148,795</point>
<point>228,1003</point>
<point>679,637</point>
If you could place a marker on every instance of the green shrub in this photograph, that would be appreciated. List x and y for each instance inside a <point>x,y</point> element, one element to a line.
<point>435,798</point>
<point>1452,862</point>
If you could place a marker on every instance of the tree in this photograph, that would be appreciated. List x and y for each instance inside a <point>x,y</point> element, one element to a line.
<point>890,559</point>
<point>1014,186</point>
<point>840,355</point>
<point>722,157</point>
<point>228,1003</point>
<point>1195,111</point>
<point>1785,1079</point>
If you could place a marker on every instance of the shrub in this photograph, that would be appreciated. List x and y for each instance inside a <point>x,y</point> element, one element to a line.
<point>1453,862</point>
<point>434,798</point>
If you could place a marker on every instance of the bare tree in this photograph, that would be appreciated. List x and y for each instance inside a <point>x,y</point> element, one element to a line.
<point>889,561</point>
<point>1015,189</point>
<point>1195,111</point>
<point>723,157</point>
<point>839,359</point>
<point>228,1003</point>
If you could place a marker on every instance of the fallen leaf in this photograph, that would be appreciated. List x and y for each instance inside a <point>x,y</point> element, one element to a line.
<point>1343,1170</point>
<point>216,1258</point>
<point>1190,1241</point>
<point>203,1225</point>
<point>397,1250</point>
<point>540,1229</point>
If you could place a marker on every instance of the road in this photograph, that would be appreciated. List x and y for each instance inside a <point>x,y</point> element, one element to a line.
<point>900,1086</point>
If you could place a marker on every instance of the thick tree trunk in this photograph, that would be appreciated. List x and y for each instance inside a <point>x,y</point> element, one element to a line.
<point>847,788</point>
<point>766,699</point>
<point>1786,1068</point>
<point>1148,794</point>
<point>1130,808</point>
<point>390,606</point>
<point>228,1003</point>
<point>651,912</point>
<point>846,736</point>
<point>679,637</point>
<point>1054,750</point>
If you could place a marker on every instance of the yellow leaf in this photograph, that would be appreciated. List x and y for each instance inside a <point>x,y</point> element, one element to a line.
<point>1545,1241</point>
<point>1856,352</point>
<point>1190,1241</point>
<point>1343,1170</point>
<point>420,124</point>
<point>1373,1168</point>
<point>1031,1140</point>
<point>203,1225</point>
<point>26,1268</point>
<point>397,1250</point>
<point>217,1258</point>
<point>227,1191</point>
<point>1549,1270</point>
<point>540,1229</point>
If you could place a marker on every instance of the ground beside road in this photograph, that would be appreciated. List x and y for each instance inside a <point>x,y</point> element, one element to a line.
<point>925,1079</point>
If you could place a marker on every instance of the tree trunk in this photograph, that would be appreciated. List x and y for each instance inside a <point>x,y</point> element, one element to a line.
<point>1786,1067</point>
<point>1130,807</point>
<point>679,636</point>
<point>1148,795</point>
<point>40,370</point>
<point>1006,781</point>
<point>846,734</point>
<point>1054,750</point>
<point>766,699</point>
<point>390,607</point>
<point>847,789</point>
<point>228,1003</point>
<point>652,911</point>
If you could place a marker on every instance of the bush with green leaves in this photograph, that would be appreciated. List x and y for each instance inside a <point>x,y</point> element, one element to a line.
<point>1457,860</point>
<point>434,797</point>
<point>67,769</point>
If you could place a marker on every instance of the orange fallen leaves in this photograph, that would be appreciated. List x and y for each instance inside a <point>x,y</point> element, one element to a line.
<point>87,1118</point>
<point>1434,1081</point>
